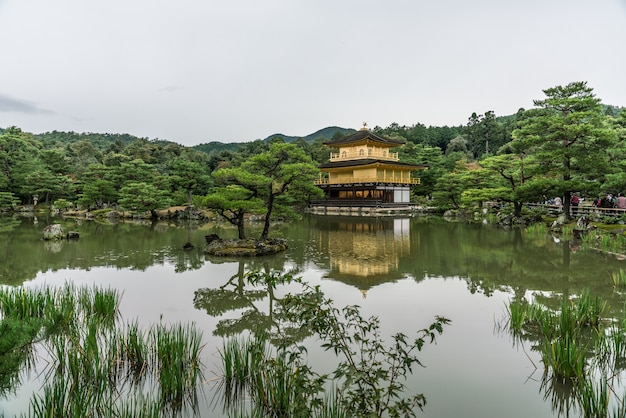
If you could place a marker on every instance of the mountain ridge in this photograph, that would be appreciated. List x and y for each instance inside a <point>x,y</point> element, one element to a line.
<point>325,133</point>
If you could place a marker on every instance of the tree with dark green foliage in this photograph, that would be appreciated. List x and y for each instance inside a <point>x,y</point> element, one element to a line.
<point>188,176</point>
<point>43,183</point>
<point>568,135</point>
<point>233,202</point>
<point>139,196</point>
<point>485,135</point>
<point>98,187</point>
<point>283,169</point>
<point>19,157</point>
<point>318,151</point>
<point>56,161</point>
<point>82,154</point>
<point>458,144</point>
<point>8,201</point>
<point>136,170</point>
<point>272,176</point>
<point>141,149</point>
<point>504,178</point>
<point>431,157</point>
<point>616,180</point>
<point>449,188</point>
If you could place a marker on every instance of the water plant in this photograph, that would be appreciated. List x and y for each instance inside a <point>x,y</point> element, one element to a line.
<point>177,362</point>
<point>537,229</point>
<point>582,350</point>
<point>369,373</point>
<point>565,357</point>
<point>593,397</point>
<point>618,277</point>
<point>567,232</point>
<point>97,365</point>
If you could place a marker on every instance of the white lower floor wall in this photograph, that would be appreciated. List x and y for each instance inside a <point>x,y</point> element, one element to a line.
<point>401,194</point>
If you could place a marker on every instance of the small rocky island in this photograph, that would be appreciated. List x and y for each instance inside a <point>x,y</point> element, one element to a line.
<point>243,247</point>
<point>55,232</point>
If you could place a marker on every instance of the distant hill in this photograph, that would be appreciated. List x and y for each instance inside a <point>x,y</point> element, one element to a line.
<point>325,133</point>
<point>99,141</point>
<point>217,146</point>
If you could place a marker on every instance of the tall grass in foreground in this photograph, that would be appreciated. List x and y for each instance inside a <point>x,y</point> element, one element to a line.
<point>276,382</point>
<point>241,358</point>
<point>99,366</point>
<point>593,398</point>
<point>579,347</point>
<point>176,363</point>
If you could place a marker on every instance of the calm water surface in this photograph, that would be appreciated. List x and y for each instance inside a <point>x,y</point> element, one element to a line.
<point>405,271</point>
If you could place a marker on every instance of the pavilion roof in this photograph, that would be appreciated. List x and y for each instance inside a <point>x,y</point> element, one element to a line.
<point>368,161</point>
<point>363,135</point>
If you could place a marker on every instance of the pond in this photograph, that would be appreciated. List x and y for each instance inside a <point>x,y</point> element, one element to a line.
<point>403,270</point>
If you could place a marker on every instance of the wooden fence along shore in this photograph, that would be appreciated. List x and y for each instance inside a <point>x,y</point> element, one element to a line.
<point>374,207</point>
<point>583,209</point>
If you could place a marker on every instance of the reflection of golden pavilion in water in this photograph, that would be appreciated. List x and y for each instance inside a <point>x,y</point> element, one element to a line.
<point>365,253</point>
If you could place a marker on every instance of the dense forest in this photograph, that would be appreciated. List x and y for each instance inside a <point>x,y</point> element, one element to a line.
<point>568,143</point>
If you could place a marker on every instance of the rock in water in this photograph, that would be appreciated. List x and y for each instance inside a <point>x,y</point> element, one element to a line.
<point>53,232</point>
<point>72,235</point>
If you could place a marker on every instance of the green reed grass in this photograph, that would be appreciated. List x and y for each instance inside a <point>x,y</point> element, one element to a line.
<point>580,348</point>
<point>589,238</point>
<point>97,365</point>
<point>134,352</point>
<point>528,316</point>
<point>23,303</point>
<point>274,387</point>
<point>565,341</point>
<point>275,383</point>
<point>537,230</point>
<point>605,241</point>
<point>611,243</point>
<point>589,310</point>
<point>593,398</point>
<point>241,358</point>
<point>619,410</point>
<point>618,277</point>
<point>567,232</point>
<point>177,361</point>
<point>138,406</point>
<point>518,316</point>
<point>565,357</point>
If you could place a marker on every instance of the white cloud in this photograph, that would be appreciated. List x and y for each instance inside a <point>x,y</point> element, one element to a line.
<point>11,105</point>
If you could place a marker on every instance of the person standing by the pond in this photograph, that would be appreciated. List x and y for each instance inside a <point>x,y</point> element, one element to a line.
<point>621,201</point>
<point>558,202</point>
<point>607,202</point>
<point>574,201</point>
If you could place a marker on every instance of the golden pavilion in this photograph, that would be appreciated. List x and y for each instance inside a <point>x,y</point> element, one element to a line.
<point>365,172</point>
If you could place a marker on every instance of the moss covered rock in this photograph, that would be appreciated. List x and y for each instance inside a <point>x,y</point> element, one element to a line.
<point>245,247</point>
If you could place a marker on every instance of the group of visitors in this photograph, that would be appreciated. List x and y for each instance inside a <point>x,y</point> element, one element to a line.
<point>610,201</point>
<point>606,201</point>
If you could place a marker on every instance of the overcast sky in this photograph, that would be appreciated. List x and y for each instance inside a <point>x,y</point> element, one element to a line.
<point>194,71</point>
